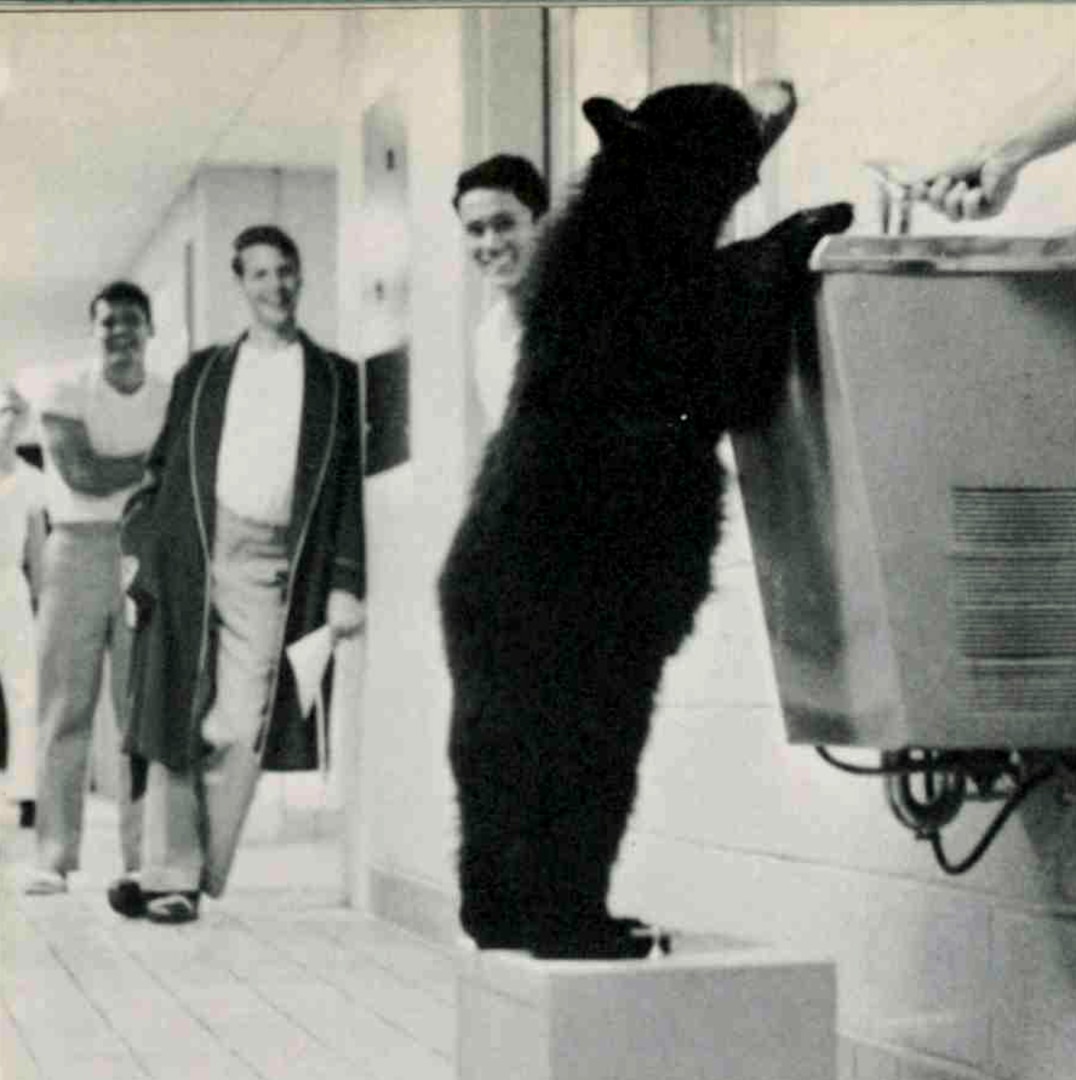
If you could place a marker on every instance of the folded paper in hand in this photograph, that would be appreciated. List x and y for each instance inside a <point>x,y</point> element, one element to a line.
<point>309,656</point>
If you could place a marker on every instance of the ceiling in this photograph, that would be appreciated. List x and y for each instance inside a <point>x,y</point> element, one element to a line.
<point>106,115</point>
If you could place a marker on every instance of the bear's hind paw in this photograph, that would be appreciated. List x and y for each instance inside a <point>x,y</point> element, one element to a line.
<point>610,939</point>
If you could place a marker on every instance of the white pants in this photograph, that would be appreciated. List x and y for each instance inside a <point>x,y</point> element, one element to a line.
<point>193,820</point>
<point>80,621</point>
<point>18,675</point>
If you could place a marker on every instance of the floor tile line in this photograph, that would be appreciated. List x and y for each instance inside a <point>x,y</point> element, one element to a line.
<point>382,1015</point>
<point>320,976</point>
<point>23,1041</point>
<point>198,1020</point>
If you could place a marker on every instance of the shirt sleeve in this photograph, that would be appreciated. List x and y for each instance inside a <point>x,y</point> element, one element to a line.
<point>57,392</point>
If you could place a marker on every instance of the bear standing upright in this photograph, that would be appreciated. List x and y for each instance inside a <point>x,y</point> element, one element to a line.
<point>586,548</point>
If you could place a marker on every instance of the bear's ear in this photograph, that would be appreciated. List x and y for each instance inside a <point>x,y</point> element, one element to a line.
<point>611,122</point>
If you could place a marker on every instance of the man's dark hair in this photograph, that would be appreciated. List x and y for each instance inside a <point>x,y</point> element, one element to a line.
<point>123,292</point>
<point>508,172</point>
<point>263,234</point>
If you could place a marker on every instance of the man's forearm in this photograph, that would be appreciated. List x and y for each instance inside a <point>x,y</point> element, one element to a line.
<point>81,467</point>
<point>1045,126</point>
<point>106,475</point>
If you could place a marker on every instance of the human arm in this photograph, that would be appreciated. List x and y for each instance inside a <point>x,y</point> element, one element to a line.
<point>979,183</point>
<point>82,468</point>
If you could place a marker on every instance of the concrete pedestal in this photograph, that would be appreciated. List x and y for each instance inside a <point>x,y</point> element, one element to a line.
<point>719,1010</point>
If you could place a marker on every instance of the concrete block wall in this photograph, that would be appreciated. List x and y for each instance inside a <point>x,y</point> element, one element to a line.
<point>913,84</point>
<point>939,977</point>
<point>400,815</point>
<point>735,830</point>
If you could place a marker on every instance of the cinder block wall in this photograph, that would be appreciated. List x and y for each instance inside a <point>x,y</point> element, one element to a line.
<point>939,977</point>
<point>401,823</point>
<point>735,830</point>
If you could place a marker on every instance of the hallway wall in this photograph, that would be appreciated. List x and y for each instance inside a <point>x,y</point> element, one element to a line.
<point>465,84</point>
<point>735,830</point>
<point>186,265</point>
<point>401,817</point>
<point>940,977</point>
<point>63,327</point>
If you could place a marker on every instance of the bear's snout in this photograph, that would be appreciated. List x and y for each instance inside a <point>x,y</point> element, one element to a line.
<point>773,102</point>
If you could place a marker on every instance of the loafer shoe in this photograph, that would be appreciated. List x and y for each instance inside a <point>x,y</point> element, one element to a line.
<point>172,908</point>
<point>43,882</point>
<point>126,898</point>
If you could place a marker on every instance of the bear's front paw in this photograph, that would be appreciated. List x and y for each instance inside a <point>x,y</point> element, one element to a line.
<point>801,231</point>
<point>832,218</point>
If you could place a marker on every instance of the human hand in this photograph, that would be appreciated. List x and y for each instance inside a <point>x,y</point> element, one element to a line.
<point>970,188</point>
<point>14,414</point>
<point>128,570</point>
<point>346,614</point>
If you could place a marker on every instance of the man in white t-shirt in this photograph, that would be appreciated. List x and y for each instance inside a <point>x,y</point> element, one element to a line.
<point>97,422</point>
<point>500,203</point>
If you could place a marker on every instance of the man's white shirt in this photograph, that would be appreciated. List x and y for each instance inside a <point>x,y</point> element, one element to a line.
<point>497,341</point>
<point>260,440</point>
<point>117,425</point>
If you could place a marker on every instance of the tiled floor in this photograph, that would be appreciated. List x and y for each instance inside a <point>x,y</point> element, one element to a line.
<point>275,980</point>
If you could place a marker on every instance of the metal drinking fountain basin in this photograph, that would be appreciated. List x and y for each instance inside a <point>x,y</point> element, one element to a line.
<point>912,507</point>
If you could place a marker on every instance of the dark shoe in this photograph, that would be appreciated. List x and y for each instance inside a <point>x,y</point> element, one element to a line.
<point>171,908</point>
<point>126,898</point>
<point>27,813</point>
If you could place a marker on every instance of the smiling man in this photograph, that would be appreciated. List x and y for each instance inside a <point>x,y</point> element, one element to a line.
<point>500,203</point>
<point>97,421</point>
<point>246,534</point>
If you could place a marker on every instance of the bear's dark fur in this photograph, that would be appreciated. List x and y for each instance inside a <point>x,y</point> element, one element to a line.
<point>586,548</point>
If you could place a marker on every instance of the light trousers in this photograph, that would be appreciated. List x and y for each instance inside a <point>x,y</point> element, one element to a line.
<point>80,619</point>
<point>18,676</point>
<point>194,820</point>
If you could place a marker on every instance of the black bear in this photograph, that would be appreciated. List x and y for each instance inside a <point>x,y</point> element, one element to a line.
<point>586,546</point>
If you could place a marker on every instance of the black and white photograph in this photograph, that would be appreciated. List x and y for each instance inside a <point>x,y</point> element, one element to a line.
<point>538,541</point>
